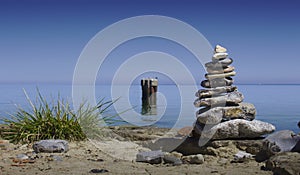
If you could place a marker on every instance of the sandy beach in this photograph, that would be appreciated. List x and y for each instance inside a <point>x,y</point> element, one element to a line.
<point>115,156</point>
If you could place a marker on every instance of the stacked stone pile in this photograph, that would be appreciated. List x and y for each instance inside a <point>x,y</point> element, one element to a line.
<point>226,124</point>
<point>222,113</point>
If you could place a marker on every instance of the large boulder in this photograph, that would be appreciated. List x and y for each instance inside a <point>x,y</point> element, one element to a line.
<point>280,141</point>
<point>215,115</point>
<point>234,129</point>
<point>286,163</point>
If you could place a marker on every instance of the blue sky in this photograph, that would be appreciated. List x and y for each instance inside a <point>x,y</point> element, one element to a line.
<point>40,41</point>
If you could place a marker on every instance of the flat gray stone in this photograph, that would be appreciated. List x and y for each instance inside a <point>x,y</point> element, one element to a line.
<point>219,56</point>
<point>235,129</point>
<point>194,159</point>
<point>219,64</point>
<point>172,159</point>
<point>51,146</point>
<point>210,115</point>
<point>220,82</point>
<point>22,157</point>
<point>222,75</point>
<point>234,97</point>
<point>152,157</point>
<point>204,93</point>
<point>215,115</point>
<point>242,156</point>
<point>220,71</point>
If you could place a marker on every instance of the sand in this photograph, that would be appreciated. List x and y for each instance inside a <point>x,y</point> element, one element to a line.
<point>117,156</point>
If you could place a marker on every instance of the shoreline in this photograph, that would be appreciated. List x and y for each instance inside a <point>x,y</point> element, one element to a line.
<point>109,155</point>
<point>83,157</point>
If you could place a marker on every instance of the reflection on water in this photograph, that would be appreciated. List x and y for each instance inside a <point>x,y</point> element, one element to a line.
<point>148,109</point>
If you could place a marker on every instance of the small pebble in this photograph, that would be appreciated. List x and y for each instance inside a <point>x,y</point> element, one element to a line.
<point>220,49</point>
<point>99,171</point>
<point>56,158</point>
<point>96,160</point>
<point>22,156</point>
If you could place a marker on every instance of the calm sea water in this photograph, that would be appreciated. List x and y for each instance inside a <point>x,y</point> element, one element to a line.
<point>276,104</point>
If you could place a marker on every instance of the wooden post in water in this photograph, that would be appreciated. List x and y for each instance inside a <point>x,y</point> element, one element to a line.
<point>149,89</point>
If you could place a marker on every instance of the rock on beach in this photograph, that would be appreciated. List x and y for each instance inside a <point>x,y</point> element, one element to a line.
<point>236,129</point>
<point>215,115</point>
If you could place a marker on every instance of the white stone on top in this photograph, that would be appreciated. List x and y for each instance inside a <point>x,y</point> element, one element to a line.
<point>220,49</point>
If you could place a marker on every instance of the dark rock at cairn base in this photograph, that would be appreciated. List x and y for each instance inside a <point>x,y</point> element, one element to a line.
<point>234,129</point>
<point>166,144</point>
<point>222,75</point>
<point>228,81</point>
<point>219,64</point>
<point>234,98</point>
<point>286,163</point>
<point>185,131</point>
<point>204,93</point>
<point>215,115</point>
<point>296,148</point>
<point>280,141</point>
<point>220,148</point>
<point>220,71</point>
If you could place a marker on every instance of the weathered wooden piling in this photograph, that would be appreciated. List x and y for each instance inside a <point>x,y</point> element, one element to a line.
<point>149,89</point>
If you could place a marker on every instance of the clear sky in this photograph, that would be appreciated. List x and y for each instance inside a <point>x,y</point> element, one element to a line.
<point>41,40</point>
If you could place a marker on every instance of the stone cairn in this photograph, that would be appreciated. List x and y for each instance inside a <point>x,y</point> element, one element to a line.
<point>222,116</point>
<point>222,113</point>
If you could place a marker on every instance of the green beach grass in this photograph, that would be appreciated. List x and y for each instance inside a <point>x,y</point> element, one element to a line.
<point>56,120</point>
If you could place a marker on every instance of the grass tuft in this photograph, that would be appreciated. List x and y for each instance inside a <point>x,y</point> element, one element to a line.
<point>56,120</point>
